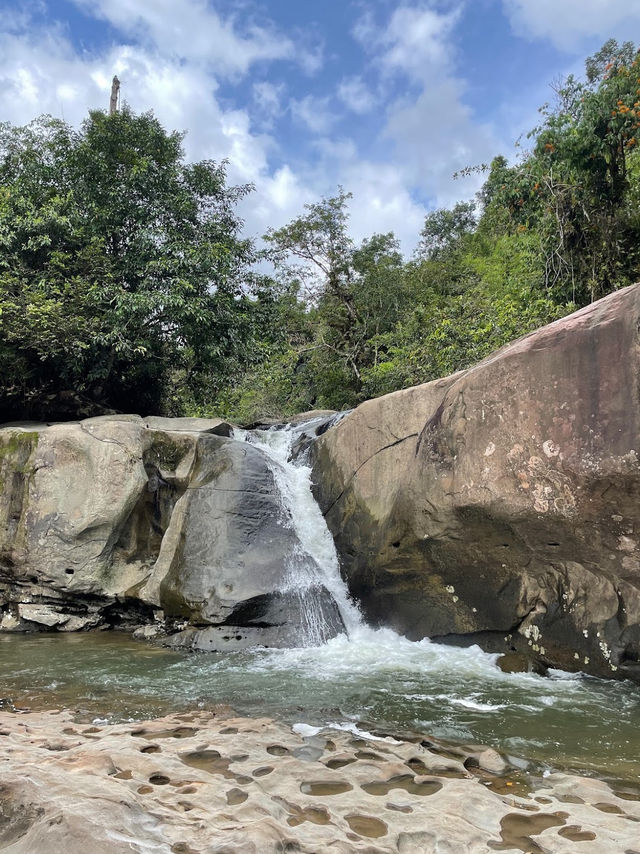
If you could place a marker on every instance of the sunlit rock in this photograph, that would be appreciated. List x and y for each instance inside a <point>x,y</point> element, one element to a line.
<point>501,505</point>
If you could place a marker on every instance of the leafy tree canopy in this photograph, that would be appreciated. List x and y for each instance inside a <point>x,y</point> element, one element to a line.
<point>125,282</point>
<point>122,269</point>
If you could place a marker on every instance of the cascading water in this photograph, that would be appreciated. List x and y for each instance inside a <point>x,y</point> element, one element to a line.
<point>312,568</point>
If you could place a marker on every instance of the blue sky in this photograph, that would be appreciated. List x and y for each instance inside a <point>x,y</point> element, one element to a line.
<point>387,99</point>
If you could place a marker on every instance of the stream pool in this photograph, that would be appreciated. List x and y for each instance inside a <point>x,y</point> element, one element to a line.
<point>373,679</point>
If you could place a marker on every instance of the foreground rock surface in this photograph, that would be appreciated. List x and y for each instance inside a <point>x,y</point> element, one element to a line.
<point>501,505</point>
<point>193,784</point>
<point>169,522</point>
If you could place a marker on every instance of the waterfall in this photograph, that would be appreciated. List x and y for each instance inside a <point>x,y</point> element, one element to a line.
<point>311,569</point>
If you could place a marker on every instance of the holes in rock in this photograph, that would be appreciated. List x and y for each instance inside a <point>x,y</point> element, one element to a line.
<point>368,754</point>
<point>159,780</point>
<point>236,796</point>
<point>69,571</point>
<point>610,808</point>
<point>627,794</point>
<point>403,781</point>
<point>366,825</point>
<point>396,545</point>
<point>398,807</point>
<point>417,766</point>
<point>262,772</point>
<point>277,750</point>
<point>150,748</point>
<point>322,788</point>
<point>516,831</point>
<point>207,760</point>
<point>576,834</point>
<point>554,545</point>
<point>316,815</point>
<point>569,799</point>
<point>334,764</point>
<point>178,732</point>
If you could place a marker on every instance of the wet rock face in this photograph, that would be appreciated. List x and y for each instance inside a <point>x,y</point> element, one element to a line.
<point>231,555</point>
<point>501,504</point>
<point>276,619</point>
<point>120,520</point>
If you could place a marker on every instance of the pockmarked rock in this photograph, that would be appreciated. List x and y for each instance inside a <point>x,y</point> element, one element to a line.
<point>500,505</point>
<point>194,782</point>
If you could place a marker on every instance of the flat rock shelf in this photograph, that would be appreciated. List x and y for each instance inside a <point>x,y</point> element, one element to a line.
<point>197,783</point>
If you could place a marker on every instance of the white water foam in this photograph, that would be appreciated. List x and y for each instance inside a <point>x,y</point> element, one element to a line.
<point>375,657</point>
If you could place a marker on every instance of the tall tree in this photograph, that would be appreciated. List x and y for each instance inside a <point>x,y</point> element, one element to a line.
<point>121,268</point>
<point>577,185</point>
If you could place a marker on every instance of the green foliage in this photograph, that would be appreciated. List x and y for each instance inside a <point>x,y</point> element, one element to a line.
<point>577,188</point>
<point>444,230</point>
<point>121,270</point>
<point>124,280</point>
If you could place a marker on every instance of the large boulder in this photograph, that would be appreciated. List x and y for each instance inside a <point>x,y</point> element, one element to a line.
<point>83,510</point>
<point>124,520</point>
<point>501,505</point>
<point>231,557</point>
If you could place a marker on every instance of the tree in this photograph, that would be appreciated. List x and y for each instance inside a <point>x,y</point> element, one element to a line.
<point>353,295</point>
<point>576,187</point>
<point>444,230</point>
<point>122,269</point>
<point>320,242</point>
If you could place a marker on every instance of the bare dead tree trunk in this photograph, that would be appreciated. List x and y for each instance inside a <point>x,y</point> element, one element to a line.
<point>115,94</point>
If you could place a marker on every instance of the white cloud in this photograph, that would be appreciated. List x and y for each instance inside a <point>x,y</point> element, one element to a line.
<point>313,112</point>
<point>268,98</point>
<point>567,22</point>
<point>382,202</point>
<point>193,30</point>
<point>415,41</point>
<point>437,135</point>
<point>434,131</point>
<point>355,94</point>
<point>309,55</point>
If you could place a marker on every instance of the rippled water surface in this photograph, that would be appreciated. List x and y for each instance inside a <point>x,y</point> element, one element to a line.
<point>375,678</point>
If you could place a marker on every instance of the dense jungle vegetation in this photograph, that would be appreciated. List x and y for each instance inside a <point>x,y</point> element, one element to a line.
<point>126,283</point>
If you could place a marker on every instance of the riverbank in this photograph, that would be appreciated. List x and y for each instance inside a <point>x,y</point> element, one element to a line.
<point>197,783</point>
